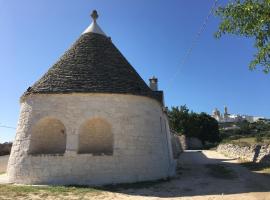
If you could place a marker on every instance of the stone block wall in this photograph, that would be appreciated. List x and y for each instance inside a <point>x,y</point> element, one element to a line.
<point>176,146</point>
<point>190,143</point>
<point>254,153</point>
<point>141,141</point>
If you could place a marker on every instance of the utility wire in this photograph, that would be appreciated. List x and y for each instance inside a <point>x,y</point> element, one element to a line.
<point>194,42</point>
<point>3,126</point>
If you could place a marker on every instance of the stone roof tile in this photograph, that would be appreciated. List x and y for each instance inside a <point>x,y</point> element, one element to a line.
<point>92,65</point>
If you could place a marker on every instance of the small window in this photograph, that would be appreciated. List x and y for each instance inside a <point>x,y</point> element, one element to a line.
<point>48,136</point>
<point>95,137</point>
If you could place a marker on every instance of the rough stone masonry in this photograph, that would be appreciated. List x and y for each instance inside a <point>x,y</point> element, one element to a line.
<point>253,153</point>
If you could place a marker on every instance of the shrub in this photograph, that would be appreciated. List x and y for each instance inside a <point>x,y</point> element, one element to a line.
<point>235,137</point>
<point>5,148</point>
<point>241,143</point>
<point>259,138</point>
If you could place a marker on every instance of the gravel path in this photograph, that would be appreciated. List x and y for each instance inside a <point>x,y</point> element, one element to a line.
<point>196,181</point>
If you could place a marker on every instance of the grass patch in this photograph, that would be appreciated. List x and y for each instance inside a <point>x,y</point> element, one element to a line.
<point>220,171</point>
<point>49,189</point>
<point>11,191</point>
<point>68,192</point>
<point>138,185</point>
<point>246,141</point>
<point>258,167</point>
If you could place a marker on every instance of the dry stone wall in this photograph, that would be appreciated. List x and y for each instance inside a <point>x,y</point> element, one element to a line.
<point>141,141</point>
<point>190,143</point>
<point>254,153</point>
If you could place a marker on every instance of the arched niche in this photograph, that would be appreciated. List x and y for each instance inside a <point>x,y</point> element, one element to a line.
<point>48,136</point>
<point>95,137</point>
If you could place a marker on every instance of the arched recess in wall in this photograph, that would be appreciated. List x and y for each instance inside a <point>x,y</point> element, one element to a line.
<point>48,136</point>
<point>95,137</point>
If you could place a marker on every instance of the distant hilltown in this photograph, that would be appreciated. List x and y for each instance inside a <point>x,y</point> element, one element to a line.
<point>226,117</point>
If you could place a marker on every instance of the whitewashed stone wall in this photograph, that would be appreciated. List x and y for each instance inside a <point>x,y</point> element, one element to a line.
<point>141,141</point>
<point>253,153</point>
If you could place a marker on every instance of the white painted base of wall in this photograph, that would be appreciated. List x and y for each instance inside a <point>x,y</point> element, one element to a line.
<point>90,170</point>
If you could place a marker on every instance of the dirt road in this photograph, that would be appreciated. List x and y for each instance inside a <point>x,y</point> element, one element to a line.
<point>205,175</point>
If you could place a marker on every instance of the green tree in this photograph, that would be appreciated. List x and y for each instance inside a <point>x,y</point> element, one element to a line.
<point>245,127</point>
<point>192,124</point>
<point>178,117</point>
<point>209,130</point>
<point>249,18</point>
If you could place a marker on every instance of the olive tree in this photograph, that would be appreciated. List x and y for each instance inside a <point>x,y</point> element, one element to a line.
<point>248,18</point>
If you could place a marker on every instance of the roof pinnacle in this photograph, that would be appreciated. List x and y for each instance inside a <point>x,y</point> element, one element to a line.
<point>94,27</point>
<point>94,15</point>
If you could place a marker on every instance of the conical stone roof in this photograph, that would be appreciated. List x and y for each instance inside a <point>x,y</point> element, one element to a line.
<point>92,65</point>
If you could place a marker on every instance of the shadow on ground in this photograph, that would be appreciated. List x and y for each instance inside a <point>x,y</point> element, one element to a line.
<point>199,175</point>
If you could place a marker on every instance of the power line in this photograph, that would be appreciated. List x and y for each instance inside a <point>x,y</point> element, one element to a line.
<point>3,126</point>
<point>194,42</point>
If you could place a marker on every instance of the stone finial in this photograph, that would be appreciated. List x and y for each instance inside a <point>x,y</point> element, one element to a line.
<point>94,15</point>
<point>94,27</point>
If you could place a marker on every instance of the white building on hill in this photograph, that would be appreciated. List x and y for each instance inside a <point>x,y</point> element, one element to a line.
<point>226,117</point>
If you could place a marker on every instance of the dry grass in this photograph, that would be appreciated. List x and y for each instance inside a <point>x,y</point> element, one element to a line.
<point>249,141</point>
<point>48,192</point>
<point>69,192</point>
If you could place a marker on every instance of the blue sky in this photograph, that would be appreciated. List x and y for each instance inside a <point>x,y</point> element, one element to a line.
<point>154,36</point>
